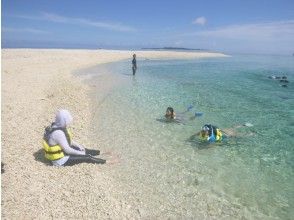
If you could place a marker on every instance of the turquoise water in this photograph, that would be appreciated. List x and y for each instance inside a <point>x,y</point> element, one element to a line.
<point>248,176</point>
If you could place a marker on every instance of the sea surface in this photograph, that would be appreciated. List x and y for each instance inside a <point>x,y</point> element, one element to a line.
<point>169,173</point>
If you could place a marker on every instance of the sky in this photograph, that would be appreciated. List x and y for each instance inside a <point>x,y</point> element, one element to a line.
<point>234,26</point>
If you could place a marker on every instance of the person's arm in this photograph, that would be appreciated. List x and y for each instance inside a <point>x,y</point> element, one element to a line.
<point>75,144</point>
<point>59,137</point>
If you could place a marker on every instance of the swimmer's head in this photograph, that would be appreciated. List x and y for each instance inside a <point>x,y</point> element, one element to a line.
<point>134,55</point>
<point>169,112</point>
<point>204,131</point>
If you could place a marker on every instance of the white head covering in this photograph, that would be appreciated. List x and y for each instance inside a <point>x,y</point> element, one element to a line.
<point>63,118</point>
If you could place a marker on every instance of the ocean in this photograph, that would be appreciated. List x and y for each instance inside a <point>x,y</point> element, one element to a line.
<point>169,173</point>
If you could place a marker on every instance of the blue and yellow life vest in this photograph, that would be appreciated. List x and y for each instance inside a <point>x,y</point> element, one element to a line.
<point>214,134</point>
<point>54,152</point>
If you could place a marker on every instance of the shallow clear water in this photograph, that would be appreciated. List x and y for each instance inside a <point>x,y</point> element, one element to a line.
<point>250,175</point>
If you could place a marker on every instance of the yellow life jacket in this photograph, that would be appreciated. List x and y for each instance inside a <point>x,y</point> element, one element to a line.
<point>203,137</point>
<point>55,152</point>
<point>218,136</point>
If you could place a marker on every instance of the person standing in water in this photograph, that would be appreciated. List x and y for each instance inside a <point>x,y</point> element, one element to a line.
<point>60,149</point>
<point>134,64</point>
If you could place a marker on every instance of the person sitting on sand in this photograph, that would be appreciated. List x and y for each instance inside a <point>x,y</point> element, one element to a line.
<point>59,147</point>
<point>170,114</point>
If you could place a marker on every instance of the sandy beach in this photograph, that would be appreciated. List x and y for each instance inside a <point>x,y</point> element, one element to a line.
<point>35,83</point>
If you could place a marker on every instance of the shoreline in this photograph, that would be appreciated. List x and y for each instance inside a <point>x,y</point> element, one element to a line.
<point>35,83</point>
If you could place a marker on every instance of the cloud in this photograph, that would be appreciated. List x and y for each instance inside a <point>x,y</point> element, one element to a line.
<point>268,37</point>
<point>178,43</point>
<point>200,21</point>
<point>258,31</point>
<point>78,21</point>
<point>28,30</point>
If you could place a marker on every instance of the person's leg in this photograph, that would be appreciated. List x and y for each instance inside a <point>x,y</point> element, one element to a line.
<point>92,152</point>
<point>88,151</point>
<point>76,159</point>
<point>134,70</point>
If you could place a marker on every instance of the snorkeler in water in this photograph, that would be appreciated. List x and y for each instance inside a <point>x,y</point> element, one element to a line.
<point>182,117</point>
<point>212,133</point>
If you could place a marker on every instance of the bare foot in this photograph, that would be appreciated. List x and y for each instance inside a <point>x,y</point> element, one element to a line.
<point>107,153</point>
<point>114,160</point>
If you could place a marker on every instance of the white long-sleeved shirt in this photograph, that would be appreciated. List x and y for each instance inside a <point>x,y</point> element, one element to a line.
<point>58,137</point>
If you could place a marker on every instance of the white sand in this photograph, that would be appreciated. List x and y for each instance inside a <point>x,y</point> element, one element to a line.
<point>35,83</point>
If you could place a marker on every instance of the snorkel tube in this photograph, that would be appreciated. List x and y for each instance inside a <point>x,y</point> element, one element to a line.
<point>211,138</point>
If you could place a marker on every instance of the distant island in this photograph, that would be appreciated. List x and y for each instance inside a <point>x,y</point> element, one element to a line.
<point>170,48</point>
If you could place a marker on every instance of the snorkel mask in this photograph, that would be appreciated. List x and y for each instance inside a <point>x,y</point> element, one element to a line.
<point>206,129</point>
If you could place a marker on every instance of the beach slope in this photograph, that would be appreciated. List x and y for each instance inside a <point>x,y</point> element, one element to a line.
<point>35,83</point>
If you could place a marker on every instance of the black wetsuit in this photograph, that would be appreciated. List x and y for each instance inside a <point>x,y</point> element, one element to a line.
<point>87,158</point>
<point>134,66</point>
